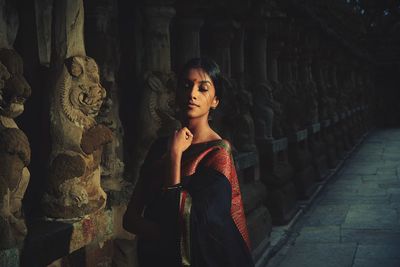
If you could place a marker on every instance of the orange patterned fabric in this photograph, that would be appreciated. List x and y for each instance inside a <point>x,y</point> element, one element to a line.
<point>217,155</point>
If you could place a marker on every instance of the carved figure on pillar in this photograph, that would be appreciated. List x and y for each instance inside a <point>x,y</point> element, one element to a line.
<point>308,89</point>
<point>73,188</point>
<point>244,133</point>
<point>157,117</point>
<point>263,111</point>
<point>14,149</point>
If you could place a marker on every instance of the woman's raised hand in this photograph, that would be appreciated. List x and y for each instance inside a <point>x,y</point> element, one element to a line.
<point>180,141</point>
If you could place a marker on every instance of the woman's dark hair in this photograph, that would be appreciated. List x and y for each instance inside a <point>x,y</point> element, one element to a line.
<point>210,67</point>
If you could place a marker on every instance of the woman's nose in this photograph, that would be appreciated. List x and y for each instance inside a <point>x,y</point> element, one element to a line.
<point>193,92</point>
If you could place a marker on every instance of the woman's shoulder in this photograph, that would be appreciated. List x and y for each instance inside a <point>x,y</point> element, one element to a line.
<point>224,144</point>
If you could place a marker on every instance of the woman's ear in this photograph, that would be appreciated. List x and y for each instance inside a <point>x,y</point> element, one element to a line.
<point>215,103</point>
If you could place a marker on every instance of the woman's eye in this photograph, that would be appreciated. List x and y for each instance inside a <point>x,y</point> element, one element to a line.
<point>203,88</point>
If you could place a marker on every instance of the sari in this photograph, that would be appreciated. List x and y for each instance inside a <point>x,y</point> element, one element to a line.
<point>202,221</point>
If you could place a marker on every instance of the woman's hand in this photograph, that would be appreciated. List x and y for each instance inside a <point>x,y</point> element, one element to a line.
<point>180,141</point>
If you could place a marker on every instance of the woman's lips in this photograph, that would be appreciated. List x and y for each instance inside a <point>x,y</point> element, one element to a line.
<point>192,105</point>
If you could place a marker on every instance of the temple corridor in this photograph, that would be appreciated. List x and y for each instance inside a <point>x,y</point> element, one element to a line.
<point>354,221</point>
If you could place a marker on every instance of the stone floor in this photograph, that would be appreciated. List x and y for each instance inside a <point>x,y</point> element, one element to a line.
<point>354,221</point>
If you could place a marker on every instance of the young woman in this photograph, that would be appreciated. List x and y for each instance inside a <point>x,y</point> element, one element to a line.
<point>188,191</point>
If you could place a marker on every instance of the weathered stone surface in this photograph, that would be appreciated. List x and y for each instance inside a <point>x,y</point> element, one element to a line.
<point>67,28</point>
<point>253,195</point>
<point>363,216</point>
<point>15,153</point>
<point>43,15</point>
<point>327,215</point>
<point>10,257</point>
<point>75,103</point>
<point>319,234</point>
<point>316,255</point>
<point>259,225</point>
<point>355,216</point>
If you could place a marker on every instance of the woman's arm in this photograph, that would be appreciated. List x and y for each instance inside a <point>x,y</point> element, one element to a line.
<point>133,220</point>
<point>180,141</point>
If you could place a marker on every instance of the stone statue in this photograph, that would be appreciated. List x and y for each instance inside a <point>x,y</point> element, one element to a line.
<point>156,115</point>
<point>244,133</point>
<point>73,188</point>
<point>263,111</point>
<point>14,149</point>
<point>310,94</point>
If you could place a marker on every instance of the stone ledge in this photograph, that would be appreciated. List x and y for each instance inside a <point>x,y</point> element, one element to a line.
<point>298,136</point>
<point>48,241</point>
<point>326,123</point>
<point>314,128</point>
<point>9,257</point>
<point>245,160</point>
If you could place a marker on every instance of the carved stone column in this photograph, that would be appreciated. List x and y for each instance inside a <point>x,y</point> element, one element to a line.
<point>274,166</point>
<point>101,33</point>
<point>15,153</point>
<point>244,132</point>
<point>157,38</point>
<point>238,56</point>
<point>157,113</point>
<point>274,48</point>
<point>307,86</point>
<point>262,90</point>
<point>73,187</point>
<point>220,33</point>
<point>287,96</point>
<point>189,39</point>
<point>316,69</point>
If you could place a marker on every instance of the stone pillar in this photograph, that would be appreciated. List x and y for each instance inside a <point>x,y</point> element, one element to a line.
<point>238,57</point>
<point>189,39</point>
<point>43,15</point>
<point>73,187</point>
<point>101,32</point>
<point>244,132</point>
<point>307,85</point>
<point>157,38</point>
<point>274,166</point>
<point>291,106</point>
<point>221,34</point>
<point>274,48</point>
<point>156,116</point>
<point>324,105</point>
<point>15,153</point>
<point>262,90</point>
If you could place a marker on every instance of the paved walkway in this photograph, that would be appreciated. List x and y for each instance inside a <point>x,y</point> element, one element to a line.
<point>354,221</point>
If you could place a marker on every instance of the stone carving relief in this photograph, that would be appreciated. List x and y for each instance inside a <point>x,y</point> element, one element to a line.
<point>73,188</point>
<point>244,132</point>
<point>263,111</point>
<point>14,149</point>
<point>156,115</point>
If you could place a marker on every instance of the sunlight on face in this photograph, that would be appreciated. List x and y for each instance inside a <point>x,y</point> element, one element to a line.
<point>198,94</point>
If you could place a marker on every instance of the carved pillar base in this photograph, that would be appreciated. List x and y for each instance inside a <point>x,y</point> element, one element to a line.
<point>300,158</point>
<point>338,135</point>
<point>10,257</point>
<point>329,139</point>
<point>276,173</point>
<point>254,194</point>
<point>318,151</point>
<point>345,131</point>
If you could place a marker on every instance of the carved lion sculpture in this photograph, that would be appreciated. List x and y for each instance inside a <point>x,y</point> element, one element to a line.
<point>73,188</point>
<point>156,116</point>
<point>14,149</point>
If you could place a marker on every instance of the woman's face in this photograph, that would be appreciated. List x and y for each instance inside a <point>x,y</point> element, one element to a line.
<point>198,94</point>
